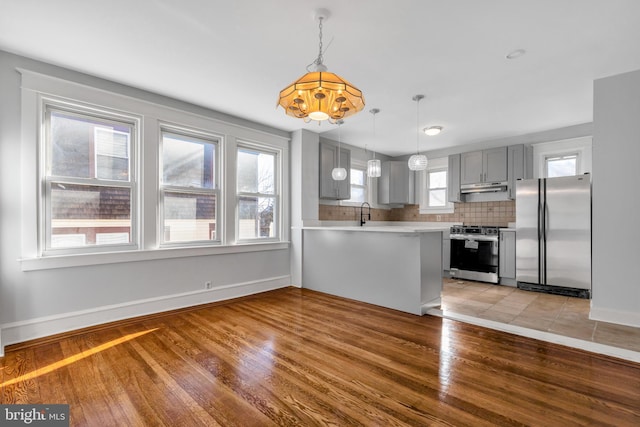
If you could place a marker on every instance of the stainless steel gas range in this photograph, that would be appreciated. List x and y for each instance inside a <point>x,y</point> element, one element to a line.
<point>475,252</point>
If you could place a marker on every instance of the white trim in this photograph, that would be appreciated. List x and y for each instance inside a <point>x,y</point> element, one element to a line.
<point>590,346</point>
<point>12,333</point>
<point>615,316</point>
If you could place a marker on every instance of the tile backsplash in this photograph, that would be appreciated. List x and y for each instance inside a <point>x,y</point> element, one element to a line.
<point>476,213</point>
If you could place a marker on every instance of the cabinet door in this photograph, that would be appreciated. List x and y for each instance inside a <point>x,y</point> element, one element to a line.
<point>508,254</point>
<point>344,186</point>
<point>453,178</point>
<point>329,188</point>
<point>494,162</point>
<point>471,167</point>
<point>515,168</point>
<point>446,254</point>
<point>395,185</point>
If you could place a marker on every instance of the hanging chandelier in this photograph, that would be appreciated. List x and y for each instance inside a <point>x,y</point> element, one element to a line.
<point>320,95</point>
<point>418,162</point>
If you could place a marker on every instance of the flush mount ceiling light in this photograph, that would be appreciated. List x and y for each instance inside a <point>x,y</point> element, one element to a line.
<point>433,130</point>
<point>515,54</point>
<point>338,173</point>
<point>418,162</point>
<point>320,95</point>
<point>374,168</point>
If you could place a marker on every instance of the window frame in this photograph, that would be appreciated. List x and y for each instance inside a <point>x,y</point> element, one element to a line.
<point>149,111</point>
<point>277,191</point>
<point>217,141</point>
<point>47,180</point>
<point>560,156</point>
<point>434,165</point>
<point>368,196</point>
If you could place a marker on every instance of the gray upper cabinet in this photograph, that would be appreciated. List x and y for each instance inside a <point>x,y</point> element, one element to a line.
<point>484,166</point>
<point>330,188</point>
<point>395,185</point>
<point>453,178</point>
<point>520,166</point>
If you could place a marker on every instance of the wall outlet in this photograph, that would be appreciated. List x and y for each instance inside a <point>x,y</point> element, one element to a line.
<point>207,285</point>
<point>438,217</point>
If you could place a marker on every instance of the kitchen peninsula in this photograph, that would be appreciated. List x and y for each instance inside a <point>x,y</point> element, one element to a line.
<point>398,267</point>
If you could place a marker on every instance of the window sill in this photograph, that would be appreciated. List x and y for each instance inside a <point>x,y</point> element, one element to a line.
<point>65,261</point>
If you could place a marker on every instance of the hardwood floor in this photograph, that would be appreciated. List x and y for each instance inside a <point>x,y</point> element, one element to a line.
<point>297,357</point>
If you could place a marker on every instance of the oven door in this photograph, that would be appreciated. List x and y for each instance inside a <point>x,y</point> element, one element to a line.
<point>475,257</point>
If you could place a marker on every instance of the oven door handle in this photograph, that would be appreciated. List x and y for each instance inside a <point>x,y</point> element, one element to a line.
<point>473,237</point>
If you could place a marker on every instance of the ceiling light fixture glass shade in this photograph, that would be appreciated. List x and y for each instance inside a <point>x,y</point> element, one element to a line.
<point>374,166</point>
<point>320,95</point>
<point>418,162</point>
<point>433,130</point>
<point>339,173</point>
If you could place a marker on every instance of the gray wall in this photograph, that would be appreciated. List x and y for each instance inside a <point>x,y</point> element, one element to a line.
<point>616,199</point>
<point>43,302</point>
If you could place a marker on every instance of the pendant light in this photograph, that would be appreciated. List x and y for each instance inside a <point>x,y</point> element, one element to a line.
<point>418,162</point>
<point>320,95</point>
<point>338,173</point>
<point>374,168</point>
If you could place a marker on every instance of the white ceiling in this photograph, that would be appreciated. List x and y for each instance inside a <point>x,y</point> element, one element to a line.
<point>235,56</point>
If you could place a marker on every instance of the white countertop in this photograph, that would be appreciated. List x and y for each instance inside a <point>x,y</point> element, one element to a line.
<point>383,229</point>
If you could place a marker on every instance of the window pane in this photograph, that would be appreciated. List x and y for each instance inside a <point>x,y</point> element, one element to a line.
<point>256,217</point>
<point>357,194</point>
<point>357,177</point>
<point>561,166</point>
<point>79,213</point>
<point>87,147</point>
<point>437,197</point>
<point>187,161</point>
<point>438,179</point>
<point>189,217</point>
<point>256,171</point>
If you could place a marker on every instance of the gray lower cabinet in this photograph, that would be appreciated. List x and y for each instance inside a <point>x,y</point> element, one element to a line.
<point>330,188</point>
<point>396,185</point>
<point>446,254</point>
<point>507,271</point>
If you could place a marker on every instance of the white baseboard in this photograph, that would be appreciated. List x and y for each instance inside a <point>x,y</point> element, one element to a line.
<point>12,333</point>
<point>615,316</point>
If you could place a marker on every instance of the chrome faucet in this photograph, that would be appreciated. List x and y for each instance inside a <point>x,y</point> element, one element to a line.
<point>363,215</point>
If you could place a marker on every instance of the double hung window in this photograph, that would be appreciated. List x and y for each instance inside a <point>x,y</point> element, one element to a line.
<point>257,195</point>
<point>189,187</point>
<point>358,185</point>
<point>89,179</point>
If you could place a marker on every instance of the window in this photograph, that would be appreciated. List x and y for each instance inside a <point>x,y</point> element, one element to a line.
<point>358,185</point>
<point>433,188</point>
<point>437,188</point>
<point>89,179</point>
<point>189,188</point>
<point>257,209</point>
<point>563,165</point>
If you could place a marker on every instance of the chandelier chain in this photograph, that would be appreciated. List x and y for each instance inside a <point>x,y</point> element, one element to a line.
<point>320,59</point>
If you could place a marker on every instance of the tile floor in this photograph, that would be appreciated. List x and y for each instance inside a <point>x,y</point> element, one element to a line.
<point>561,315</point>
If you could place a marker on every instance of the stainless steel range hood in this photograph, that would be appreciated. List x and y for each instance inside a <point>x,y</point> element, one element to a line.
<point>484,187</point>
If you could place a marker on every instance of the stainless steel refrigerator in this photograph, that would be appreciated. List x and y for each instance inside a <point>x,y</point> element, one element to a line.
<point>553,235</point>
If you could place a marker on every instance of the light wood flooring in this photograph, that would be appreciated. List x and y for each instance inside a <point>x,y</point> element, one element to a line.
<point>295,357</point>
<point>561,315</point>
